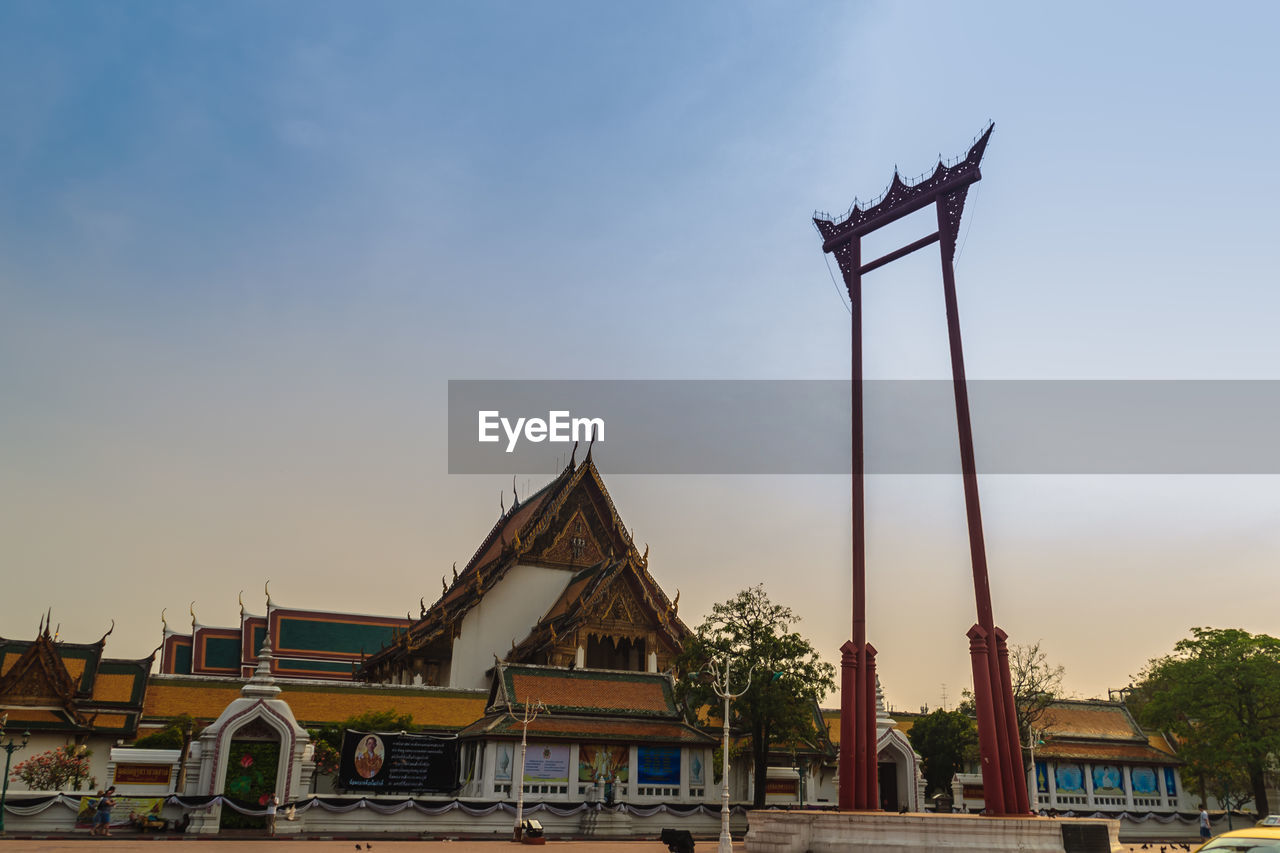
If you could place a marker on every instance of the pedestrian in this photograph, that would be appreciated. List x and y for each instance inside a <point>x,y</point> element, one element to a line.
<point>271,813</point>
<point>1205,832</point>
<point>102,816</point>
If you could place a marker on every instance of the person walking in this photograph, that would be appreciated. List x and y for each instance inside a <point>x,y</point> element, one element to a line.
<point>1205,831</point>
<point>102,815</point>
<point>272,805</point>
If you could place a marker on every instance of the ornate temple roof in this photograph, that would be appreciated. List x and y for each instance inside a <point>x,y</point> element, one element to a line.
<point>312,644</point>
<point>318,703</point>
<point>571,522</point>
<point>585,703</point>
<point>47,684</point>
<point>584,691</point>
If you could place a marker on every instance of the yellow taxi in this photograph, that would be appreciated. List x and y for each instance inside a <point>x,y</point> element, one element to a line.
<point>1255,839</point>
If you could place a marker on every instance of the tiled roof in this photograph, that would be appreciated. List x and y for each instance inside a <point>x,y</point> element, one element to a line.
<point>317,704</point>
<point>1092,719</point>
<point>589,728</point>
<point>509,540</point>
<point>591,587</point>
<point>593,691</point>
<point>1118,752</point>
<point>91,693</point>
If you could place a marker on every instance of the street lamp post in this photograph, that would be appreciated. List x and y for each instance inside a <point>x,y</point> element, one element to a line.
<point>1033,792</point>
<point>721,687</point>
<point>9,749</point>
<point>525,717</point>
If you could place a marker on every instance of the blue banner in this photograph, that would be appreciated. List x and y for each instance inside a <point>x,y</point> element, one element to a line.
<point>658,765</point>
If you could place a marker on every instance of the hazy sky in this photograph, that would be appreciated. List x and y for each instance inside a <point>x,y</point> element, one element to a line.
<point>243,248</point>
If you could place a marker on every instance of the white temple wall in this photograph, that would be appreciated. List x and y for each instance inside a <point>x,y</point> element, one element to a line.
<point>501,618</point>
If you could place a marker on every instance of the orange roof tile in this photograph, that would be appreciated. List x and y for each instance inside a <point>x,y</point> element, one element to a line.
<point>1128,752</point>
<point>603,694</point>
<point>1090,720</point>
<point>112,688</point>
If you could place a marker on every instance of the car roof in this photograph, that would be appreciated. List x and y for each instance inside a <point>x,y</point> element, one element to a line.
<point>1253,832</point>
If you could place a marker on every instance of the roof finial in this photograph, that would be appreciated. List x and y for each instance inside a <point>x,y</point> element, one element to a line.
<point>108,634</point>
<point>444,587</point>
<point>515,498</point>
<point>266,590</point>
<point>455,571</point>
<point>422,605</point>
<point>192,610</point>
<point>164,625</point>
<point>48,619</point>
<point>502,506</point>
<point>590,444</point>
<point>573,455</point>
<point>240,598</point>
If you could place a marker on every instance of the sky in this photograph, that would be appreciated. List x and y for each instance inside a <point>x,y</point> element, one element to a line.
<point>244,247</point>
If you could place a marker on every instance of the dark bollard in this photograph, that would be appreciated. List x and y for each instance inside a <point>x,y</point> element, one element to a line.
<point>678,840</point>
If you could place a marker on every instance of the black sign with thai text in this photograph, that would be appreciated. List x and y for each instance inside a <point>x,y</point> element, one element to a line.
<point>392,761</point>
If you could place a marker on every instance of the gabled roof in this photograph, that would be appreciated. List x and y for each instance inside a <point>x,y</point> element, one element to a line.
<point>593,704</point>
<point>577,728</point>
<point>50,685</point>
<point>589,591</point>
<point>537,530</point>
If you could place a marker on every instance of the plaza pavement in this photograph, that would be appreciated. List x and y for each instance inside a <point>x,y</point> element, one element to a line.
<point>161,844</point>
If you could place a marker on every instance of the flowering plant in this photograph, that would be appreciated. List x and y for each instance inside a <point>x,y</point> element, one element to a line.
<point>326,758</point>
<point>63,769</point>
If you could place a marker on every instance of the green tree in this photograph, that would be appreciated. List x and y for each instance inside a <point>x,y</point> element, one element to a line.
<point>1219,695</point>
<point>945,740</point>
<point>172,736</point>
<point>788,678</point>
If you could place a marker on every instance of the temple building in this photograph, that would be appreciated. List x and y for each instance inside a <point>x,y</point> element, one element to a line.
<point>556,582</point>
<point>310,644</point>
<point>556,606</point>
<point>69,694</point>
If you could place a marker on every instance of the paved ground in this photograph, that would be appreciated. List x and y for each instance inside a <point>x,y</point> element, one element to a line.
<point>160,844</point>
<point>121,844</point>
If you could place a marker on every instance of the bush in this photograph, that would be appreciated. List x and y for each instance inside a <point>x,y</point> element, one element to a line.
<point>172,736</point>
<point>63,769</point>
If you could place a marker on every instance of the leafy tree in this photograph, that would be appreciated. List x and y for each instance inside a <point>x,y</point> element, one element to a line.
<point>328,739</point>
<point>945,740</point>
<point>63,769</point>
<point>788,679</point>
<point>1219,695</point>
<point>172,736</point>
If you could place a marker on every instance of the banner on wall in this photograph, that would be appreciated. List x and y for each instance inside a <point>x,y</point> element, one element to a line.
<point>658,765</point>
<point>1144,781</point>
<point>1108,779</point>
<point>697,770</point>
<point>503,761</point>
<point>602,761</point>
<point>546,763</point>
<point>120,812</point>
<point>394,761</point>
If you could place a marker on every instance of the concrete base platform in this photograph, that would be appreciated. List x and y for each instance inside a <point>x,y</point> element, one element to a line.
<point>840,832</point>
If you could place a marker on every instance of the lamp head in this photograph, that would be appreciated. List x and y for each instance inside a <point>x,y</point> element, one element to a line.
<point>26,736</point>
